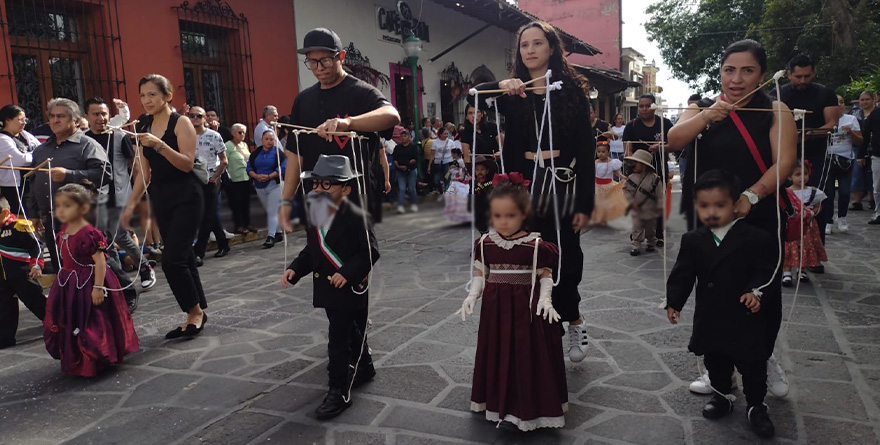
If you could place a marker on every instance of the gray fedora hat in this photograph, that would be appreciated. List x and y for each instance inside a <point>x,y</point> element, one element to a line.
<point>332,167</point>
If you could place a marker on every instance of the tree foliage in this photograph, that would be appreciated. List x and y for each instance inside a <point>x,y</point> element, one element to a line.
<point>841,35</point>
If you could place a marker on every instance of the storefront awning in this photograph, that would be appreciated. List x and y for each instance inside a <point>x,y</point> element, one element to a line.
<point>604,80</point>
<point>508,17</point>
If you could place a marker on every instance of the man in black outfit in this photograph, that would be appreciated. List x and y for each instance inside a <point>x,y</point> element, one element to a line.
<point>802,93</point>
<point>601,128</point>
<point>337,103</point>
<point>637,136</point>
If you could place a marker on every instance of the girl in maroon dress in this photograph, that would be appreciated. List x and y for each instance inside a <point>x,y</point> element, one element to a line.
<point>519,369</point>
<point>87,324</point>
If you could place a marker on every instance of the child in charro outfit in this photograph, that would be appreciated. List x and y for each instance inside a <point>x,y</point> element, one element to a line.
<point>643,188</point>
<point>808,201</point>
<point>340,252</point>
<point>730,261</point>
<point>87,325</point>
<point>519,369</point>
<point>21,268</point>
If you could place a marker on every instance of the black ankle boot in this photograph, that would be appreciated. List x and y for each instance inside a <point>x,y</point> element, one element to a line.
<point>760,421</point>
<point>718,407</point>
<point>333,405</point>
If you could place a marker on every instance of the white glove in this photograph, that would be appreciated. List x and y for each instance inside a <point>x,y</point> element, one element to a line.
<point>467,307</point>
<point>123,116</point>
<point>545,303</point>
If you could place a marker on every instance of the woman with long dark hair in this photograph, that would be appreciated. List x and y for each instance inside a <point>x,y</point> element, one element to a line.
<point>167,154</point>
<point>18,144</point>
<point>539,48</point>
<point>487,143</point>
<point>754,146</point>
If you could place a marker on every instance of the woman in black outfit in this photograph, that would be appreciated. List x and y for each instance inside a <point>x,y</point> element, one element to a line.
<point>487,144</point>
<point>167,155</point>
<point>539,48</point>
<point>722,146</point>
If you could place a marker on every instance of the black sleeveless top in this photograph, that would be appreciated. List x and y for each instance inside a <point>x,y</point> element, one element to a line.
<point>723,147</point>
<point>162,171</point>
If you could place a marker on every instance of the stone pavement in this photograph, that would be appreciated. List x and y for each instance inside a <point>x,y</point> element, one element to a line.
<point>258,371</point>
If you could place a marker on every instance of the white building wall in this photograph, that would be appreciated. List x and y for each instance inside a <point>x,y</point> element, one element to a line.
<point>355,21</point>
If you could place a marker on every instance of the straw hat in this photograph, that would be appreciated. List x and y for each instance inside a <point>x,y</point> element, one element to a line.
<point>643,157</point>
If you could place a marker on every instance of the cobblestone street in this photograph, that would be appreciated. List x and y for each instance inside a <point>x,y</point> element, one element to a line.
<point>258,371</point>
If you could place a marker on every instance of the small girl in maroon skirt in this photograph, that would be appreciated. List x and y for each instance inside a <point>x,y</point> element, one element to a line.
<point>519,369</point>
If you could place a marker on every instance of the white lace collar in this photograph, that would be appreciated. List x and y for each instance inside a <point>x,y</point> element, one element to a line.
<point>508,244</point>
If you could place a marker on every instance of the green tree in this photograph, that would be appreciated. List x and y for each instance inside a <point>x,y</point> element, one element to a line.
<point>839,34</point>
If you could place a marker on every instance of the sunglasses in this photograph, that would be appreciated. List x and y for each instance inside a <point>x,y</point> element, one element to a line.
<point>196,116</point>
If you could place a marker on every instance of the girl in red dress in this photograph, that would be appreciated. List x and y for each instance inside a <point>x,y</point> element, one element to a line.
<point>808,200</point>
<point>87,324</point>
<point>519,369</point>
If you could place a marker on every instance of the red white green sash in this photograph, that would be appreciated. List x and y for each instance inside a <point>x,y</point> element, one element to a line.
<point>327,251</point>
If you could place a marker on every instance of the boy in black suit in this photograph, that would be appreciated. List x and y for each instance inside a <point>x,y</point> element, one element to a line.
<point>730,261</point>
<point>340,252</point>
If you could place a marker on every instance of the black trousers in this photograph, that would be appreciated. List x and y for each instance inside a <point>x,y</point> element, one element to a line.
<point>15,281</point>
<point>566,298</point>
<point>178,208</point>
<point>239,195</point>
<point>753,371</point>
<point>816,174</point>
<point>210,221</point>
<point>347,330</point>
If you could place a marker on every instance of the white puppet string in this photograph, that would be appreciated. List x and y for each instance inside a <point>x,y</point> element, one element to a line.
<point>281,183</point>
<point>492,101</point>
<point>476,94</point>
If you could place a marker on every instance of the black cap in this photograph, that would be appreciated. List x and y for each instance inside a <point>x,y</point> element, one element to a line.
<point>321,39</point>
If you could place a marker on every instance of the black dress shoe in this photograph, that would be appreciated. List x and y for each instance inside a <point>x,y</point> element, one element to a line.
<point>874,221</point>
<point>760,421</point>
<point>199,261</point>
<point>333,405</point>
<point>270,243</point>
<point>10,343</point>
<point>279,238</point>
<point>191,329</point>
<point>650,249</point>
<point>635,252</point>
<point>177,333</point>
<point>365,374</point>
<point>660,242</point>
<point>857,206</point>
<point>222,252</point>
<point>717,408</point>
<point>818,269</point>
<point>132,303</point>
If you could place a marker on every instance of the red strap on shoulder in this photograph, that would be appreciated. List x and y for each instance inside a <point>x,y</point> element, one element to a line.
<point>749,141</point>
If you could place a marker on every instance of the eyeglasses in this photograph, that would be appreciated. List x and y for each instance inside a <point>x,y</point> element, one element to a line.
<point>196,116</point>
<point>324,184</point>
<point>326,62</point>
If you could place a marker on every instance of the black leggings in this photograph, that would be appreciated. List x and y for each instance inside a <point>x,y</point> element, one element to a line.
<point>347,328</point>
<point>239,196</point>
<point>18,283</point>
<point>566,298</point>
<point>178,208</point>
<point>210,221</point>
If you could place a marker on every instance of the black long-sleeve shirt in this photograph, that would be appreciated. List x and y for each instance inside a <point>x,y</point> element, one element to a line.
<point>572,136</point>
<point>80,155</point>
<point>871,135</point>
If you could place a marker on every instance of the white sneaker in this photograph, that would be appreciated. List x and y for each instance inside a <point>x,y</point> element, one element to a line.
<point>577,342</point>
<point>401,210</point>
<point>228,234</point>
<point>828,229</point>
<point>414,208</point>
<point>777,383</point>
<point>702,385</point>
<point>842,226</point>
<point>211,237</point>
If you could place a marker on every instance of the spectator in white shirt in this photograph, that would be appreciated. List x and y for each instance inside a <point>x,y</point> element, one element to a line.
<point>270,116</point>
<point>841,154</point>
<point>211,150</point>
<point>441,157</point>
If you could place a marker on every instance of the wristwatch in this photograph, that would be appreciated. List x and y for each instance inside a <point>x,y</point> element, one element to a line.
<point>751,196</point>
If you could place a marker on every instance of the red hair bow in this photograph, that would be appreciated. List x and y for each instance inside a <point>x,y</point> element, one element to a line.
<point>514,177</point>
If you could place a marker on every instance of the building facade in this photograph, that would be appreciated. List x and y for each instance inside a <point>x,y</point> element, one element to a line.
<point>632,65</point>
<point>233,55</point>
<point>464,43</point>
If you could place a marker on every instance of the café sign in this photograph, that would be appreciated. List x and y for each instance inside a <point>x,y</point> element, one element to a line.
<point>395,24</point>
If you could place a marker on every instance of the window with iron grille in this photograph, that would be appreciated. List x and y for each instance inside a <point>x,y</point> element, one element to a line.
<point>62,48</point>
<point>217,62</point>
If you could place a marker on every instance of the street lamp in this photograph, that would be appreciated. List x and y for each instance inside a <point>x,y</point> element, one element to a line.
<point>412,47</point>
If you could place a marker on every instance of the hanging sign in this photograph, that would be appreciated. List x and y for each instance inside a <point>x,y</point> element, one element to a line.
<point>395,24</point>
